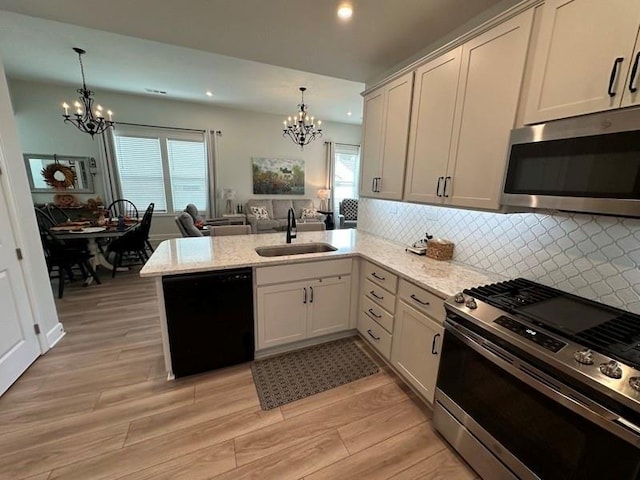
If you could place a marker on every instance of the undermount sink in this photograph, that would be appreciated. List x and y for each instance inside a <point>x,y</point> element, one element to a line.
<point>294,249</point>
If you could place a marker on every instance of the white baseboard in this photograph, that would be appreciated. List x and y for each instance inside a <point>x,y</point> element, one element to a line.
<point>55,335</point>
<point>269,352</point>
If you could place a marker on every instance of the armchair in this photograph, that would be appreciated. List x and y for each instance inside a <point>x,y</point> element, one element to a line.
<point>348,209</point>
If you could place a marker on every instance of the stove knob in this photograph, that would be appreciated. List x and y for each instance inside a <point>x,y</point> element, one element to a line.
<point>635,383</point>
<point>459,298</point>
<point>584,357</point>
<point>611,369</point>
<point>471,303</point>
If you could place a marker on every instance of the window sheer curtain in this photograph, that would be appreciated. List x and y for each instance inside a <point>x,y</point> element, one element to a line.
<point>330,158</point>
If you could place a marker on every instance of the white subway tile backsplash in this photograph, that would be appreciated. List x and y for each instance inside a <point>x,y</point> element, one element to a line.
<point>593,256</point>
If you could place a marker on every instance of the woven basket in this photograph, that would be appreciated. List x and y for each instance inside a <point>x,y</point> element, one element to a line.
<point>440,249</point>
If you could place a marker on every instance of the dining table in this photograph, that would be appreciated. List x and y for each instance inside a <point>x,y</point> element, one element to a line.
<point>84,230</point>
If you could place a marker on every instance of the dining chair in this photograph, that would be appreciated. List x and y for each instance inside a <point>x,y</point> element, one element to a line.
<point>123,207</point>
<point>43,218</point>
<point>56,213</point>
<point>65,257</point>
<point>131,247</point>
<point>311,227</point>
<point>223,230</point>
<point>145,225</point>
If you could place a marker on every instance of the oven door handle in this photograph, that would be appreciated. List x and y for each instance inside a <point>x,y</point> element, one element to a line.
<point>548,386</point>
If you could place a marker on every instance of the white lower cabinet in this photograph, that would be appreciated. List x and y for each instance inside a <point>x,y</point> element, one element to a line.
<point>415,350</point>
<point>293,311</point>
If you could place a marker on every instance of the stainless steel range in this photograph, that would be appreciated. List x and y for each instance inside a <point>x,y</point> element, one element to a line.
<point>538,383</point>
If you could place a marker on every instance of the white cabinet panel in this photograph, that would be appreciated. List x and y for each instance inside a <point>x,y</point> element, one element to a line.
<point>488,94</point>
<point>329,303</point>
<point>372,139</point>
<point>282,314</point>
<point>434,101</point>
<point>579,43</point>
<point>415,350</point>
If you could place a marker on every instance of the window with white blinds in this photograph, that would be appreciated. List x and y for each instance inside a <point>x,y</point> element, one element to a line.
<point>140,171</point>
<point>166,167</point>
<point>346,172</point>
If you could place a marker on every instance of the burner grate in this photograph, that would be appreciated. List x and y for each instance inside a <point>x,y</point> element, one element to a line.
<point>511,294</point>
<point>619,337</point>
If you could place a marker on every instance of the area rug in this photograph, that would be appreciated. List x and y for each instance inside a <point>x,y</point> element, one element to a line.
<point>291,376</point>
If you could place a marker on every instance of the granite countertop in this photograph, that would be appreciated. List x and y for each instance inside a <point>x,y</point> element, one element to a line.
<point>200,254</point>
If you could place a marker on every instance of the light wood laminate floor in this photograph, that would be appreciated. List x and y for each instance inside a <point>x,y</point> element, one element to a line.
<point>98,406</point>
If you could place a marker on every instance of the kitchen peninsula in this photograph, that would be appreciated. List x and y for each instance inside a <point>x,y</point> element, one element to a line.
<point>344,273</point>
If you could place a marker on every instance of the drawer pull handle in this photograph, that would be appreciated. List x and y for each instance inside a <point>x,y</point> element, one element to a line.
<point>373,293</point>
<point>372,335</point>
<point>375,275</point>
<point>433,345</point>
<point>374,314</point>
<point>416,299</point>
<point>614,74</point>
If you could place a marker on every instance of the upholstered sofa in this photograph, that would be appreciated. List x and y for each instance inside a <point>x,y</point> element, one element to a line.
<point>277,212</point>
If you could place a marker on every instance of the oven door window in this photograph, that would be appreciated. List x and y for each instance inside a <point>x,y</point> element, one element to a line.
<point>548,438</point>
<point>599,166</point>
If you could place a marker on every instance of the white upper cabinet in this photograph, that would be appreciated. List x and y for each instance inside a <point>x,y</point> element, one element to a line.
<point>491,76</point>
<point>434,102</point>
<point>385,136</point>
<point>464,107</point>
<point>583,58</point>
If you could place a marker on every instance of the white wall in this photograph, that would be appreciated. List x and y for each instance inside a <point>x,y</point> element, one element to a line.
<point>25,229</point>
<point>245,134</point>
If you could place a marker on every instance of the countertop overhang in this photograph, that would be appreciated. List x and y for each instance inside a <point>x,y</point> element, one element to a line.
<point>201,254</point>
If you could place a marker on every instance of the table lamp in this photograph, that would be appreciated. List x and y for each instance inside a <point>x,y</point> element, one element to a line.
<point>323,194</point>
<point>229,194</point>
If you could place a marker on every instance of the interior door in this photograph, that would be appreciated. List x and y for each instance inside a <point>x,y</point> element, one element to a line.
<point>18,342</point>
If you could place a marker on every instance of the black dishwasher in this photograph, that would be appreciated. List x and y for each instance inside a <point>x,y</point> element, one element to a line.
<point>209,319</point>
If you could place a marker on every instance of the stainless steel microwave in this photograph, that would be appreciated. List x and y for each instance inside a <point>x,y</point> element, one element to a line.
<point>582,164</point>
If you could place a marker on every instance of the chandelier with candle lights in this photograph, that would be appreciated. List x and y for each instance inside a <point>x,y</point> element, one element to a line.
<point>85,118</point>
<point>300,128</point>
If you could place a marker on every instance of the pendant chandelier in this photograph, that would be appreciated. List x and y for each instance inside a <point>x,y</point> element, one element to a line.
<point>85,118</point>
<point>300,128</point>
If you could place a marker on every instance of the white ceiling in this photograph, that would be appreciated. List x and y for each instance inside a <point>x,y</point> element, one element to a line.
<point>252,54</point>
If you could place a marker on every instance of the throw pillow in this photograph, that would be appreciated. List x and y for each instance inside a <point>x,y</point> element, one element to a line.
<point>260,213</point>
<point>310,214</point>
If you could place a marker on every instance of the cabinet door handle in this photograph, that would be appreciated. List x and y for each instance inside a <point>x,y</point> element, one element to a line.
<point>305,295</point>
<point>446,183</point>
<point>614,74</point>
<point>374,313</point>
<point>634,71</point>
<point>373,184</point>
<point>416,299</point>
<point>374,275</point>
<point>378,181</point>
<point>373,294</point>
<point>438,187</point>
<point>311,298</point>
<point>433,344</point>
<point>372,335</point>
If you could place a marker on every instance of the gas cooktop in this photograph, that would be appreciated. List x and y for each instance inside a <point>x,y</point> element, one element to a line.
<point>608,330</point>
<point>596,344</point>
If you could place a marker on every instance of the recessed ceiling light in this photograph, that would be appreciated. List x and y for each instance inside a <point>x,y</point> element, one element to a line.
<point>349,113</point>
<point>209,94</point>
<point>345,11</point>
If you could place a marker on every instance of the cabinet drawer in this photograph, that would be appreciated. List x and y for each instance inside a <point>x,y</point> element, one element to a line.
<point>378,314</point>
<point>380,296</point>
<point>422,300</point>
<point>375,335</point>
<point>381,276</point>
<point>302,271</point>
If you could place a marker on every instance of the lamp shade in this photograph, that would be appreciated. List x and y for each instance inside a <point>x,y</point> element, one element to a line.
<point>229,193</point>
<point>323,194</point>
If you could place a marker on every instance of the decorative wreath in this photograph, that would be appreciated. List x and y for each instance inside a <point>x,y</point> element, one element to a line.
<point>65,177</point>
